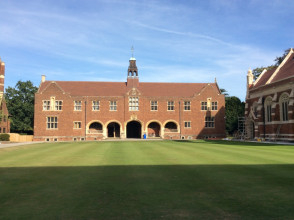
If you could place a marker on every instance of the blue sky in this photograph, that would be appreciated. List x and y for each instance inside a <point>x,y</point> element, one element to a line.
<point>174,41</point>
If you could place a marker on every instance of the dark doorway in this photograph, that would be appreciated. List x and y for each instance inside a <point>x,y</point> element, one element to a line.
<point>253,131</point>
<point>113,130</point>
<point>133,129</point>
<point>154,129</point>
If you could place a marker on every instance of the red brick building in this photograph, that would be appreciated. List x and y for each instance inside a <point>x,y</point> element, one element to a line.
<point>4,121</point>
<point>270,102</point>
<point>79,110</point>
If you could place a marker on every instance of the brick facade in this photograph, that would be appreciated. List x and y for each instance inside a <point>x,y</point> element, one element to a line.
<point>270,103</point>
<point>157,110</point>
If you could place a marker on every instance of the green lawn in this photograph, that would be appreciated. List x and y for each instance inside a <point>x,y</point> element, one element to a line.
<point>147,180</point>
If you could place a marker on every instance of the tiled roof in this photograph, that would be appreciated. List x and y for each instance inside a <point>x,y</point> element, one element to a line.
<point>264,78</point>
<point>284,71</point>
<point>82,88</point>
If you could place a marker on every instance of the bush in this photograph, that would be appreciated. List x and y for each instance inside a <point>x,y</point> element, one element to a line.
<point>4,137</point>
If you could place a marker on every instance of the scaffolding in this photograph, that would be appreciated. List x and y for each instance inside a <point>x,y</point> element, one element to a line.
<point>241,133</point>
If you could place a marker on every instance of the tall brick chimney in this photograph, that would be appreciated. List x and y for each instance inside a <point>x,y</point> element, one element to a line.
<point>2,75</point>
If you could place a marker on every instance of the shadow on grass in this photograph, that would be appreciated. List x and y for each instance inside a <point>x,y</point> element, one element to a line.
<point>148,192</point>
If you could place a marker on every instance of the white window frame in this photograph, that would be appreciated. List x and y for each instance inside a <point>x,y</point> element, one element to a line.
<point>187,124</point>
<point>58,105</point>
<point>214,106</point>
<point>284,107</point>
<point>170,105</point>
<point>133,103</point>
<point>51,122</point>
<point>77,124</point>
<point>78,105</point>
<point>204,106</point>
<point>96,105</point>
<point>153,105</point>
<point>209,122</point>
<point>113,105</point>
<point>187,105</point>
<point>46,105</point>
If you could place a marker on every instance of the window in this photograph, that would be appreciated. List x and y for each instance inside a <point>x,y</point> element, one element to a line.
<point>203,105</point>
<point>4,130</point>
<point>154,106</point>
<point>284,103</point>
<point>112,106</point>
<point>95,105</point>
<point>133,103</point>
<point>78,105</point>
<point>187,124</point>
<point>4,118</point>
<point>0,130</point>
<point>268,109</point>
<point>58,105</point>
<point>170,105</point>
<point>209,122</point>
<point>187,105</point>
<point>77,124</point>
<point>51,122</point>
<point>214,106</point>
<point>46,105</point>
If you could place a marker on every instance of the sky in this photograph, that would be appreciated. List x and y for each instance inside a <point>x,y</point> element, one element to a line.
<point>174,41</point>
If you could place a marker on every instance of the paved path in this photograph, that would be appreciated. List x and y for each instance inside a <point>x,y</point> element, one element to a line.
<point>19,144</point>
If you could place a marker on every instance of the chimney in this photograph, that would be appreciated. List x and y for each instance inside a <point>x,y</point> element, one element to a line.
<point>43,78</point>
<point>249,82</point>
<point>2,76</point>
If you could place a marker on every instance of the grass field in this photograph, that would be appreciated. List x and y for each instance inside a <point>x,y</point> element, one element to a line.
<point>147,180</point>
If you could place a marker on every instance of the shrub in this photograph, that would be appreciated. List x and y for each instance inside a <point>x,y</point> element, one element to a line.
<point>4,137</point>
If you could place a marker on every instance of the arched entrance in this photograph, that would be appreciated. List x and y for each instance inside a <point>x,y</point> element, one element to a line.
<point>95,128</point>
<point>113,130</point>
<point>154,129</point>
<point>171,127</point>
<point>134,129</point>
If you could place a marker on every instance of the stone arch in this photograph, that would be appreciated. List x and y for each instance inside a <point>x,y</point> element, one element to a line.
<point>94,127</point>
<point>171,126</point>
<point>113,129</point>
<point>153,128</point>
<point>134,129</point>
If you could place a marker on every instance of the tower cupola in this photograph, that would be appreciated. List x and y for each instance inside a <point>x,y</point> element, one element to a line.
<point>133,77</point>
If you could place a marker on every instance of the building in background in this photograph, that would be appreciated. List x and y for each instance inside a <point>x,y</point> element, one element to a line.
<point>79,110</point>
<point>4,121</point>
<point>270,102</point>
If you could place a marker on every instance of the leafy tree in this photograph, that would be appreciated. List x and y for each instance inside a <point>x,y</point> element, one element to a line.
<point>20,104</point>
<point>257,71</point>
<point>234,109</point>
<point>225,92</point>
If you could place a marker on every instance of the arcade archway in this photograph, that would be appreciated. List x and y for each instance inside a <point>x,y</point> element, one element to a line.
<point>134,129</point>
<point>113,130</point>
<point>154,129</point>
<point>95,128</point>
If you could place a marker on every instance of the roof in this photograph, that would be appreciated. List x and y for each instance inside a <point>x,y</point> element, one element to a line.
<point>284,71</point>
<point>83,88</point>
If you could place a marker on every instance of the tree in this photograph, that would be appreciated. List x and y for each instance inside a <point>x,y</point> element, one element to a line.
<point>257,71</point>
<point>224,92</point>
<point>20,104</point>
<point>234,109</point>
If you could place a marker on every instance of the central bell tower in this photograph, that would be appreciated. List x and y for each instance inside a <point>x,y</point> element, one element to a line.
<point>133,78</point>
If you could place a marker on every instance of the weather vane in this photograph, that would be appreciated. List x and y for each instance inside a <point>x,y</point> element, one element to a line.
<point>132,49</point>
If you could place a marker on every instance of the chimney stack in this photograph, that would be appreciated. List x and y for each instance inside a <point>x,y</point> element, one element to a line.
<point>43,78</point>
